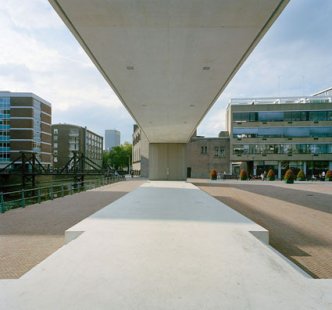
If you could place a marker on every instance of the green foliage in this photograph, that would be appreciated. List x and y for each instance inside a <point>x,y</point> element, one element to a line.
<point>301,176</point>
<point>289,176</point>
<point>119,157</point>
<point>213,174</point>
<point>243,175</point>
<point>271,175</point>
<point>328,175</point>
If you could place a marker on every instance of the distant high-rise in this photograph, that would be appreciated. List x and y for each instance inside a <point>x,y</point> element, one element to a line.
<point>112,138</point>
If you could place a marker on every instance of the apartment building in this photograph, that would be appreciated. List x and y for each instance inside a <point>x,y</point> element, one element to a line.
<point>280,133</point>
<point>68,139</point>
<point>25,126</point>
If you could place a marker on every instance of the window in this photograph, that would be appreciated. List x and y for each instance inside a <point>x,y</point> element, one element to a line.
<point>203,149</point>
<point>219,151</point>
<point>55,131</point>
<point>55,138</point>
<point>55,145</point>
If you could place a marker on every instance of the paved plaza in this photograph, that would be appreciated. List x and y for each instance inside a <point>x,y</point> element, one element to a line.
<point>298,217</point>
<point>165,245</point>
<point>29,235</point>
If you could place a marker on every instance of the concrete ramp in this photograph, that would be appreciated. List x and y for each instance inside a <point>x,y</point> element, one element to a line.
<point>166,245</point>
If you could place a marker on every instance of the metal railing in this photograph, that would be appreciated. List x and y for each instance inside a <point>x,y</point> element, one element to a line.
<point>25,197</point>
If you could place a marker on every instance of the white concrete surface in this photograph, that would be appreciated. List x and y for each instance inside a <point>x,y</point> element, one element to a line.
<point>166,245</point>
<point>168,61</point>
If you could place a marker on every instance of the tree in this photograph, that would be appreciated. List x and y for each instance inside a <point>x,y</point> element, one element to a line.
<point>119,157</point>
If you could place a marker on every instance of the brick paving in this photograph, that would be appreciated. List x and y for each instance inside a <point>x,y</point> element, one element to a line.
<point>298,217</point>
<point>29,235</point>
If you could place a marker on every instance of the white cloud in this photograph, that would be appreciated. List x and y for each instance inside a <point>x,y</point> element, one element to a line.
<point>34,60</point>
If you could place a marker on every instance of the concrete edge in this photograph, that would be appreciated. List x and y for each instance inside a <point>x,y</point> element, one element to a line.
<point>71,235</point>
<point>261,235</point>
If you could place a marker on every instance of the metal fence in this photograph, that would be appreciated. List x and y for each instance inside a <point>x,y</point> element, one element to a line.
<point>25,197</point>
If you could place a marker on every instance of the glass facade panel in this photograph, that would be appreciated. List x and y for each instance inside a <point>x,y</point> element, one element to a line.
<point>282,149</point>
<point>270,116</point>
<point>290,116</point>
<point>318,116</point>
<point>282,132</point>
<point>4,129</point>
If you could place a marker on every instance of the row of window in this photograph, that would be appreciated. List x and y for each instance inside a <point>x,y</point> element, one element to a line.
<point>218,151</point>
<point>282,149</point>
<point>282,132</point>
<point>282,116</point>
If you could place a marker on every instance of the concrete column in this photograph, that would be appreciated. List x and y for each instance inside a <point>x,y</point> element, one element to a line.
<point>279,170</point>
<point>305,167</point>
<point>330,165</point>
<point>167,161</point>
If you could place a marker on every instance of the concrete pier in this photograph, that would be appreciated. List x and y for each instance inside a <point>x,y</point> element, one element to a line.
<point>166,245</point>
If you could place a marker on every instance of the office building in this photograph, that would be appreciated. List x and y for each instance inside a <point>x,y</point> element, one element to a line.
<point>68,139</point>
<point>140,156</point>
<point>25,126</point>
<point>280,133</point>
<point>112,138</point>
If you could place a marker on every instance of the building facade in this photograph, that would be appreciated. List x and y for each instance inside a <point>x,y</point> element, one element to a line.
<point>68,139</point>
<point>112,138</point>
<point>206,154</point>
<point>25,126</point>
<point>140,156</point>
<point>202,154</point>
<point>280,133</point>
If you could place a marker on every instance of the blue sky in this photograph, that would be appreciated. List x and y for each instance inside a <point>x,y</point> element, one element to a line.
<point>38,54</point>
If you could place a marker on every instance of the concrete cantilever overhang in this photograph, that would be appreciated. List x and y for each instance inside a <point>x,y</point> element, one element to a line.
<point>167,60</point>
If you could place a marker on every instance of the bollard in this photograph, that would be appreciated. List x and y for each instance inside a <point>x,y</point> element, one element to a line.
<point>2,204</point>
<point>51,192</point>
<point>39,197</point>
<point>22,199</point>
<point>62,191</point>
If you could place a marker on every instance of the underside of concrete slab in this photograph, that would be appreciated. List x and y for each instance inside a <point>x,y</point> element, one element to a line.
<point>166,245</point>
<point>168,61</point>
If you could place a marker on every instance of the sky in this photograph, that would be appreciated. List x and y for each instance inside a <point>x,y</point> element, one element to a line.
<point>38,54</point>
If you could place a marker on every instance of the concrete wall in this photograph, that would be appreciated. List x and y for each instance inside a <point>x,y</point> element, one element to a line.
<point>167,161</point>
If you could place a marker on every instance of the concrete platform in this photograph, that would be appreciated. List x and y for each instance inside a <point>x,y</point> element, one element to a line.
<point>166,245</point>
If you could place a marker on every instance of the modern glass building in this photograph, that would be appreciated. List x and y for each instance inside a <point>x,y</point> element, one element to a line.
<point>25,126</point>
<point>281,133</point>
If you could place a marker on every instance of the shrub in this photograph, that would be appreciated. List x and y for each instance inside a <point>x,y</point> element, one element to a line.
<point>213,174</point>
<point>271,175</point>
<point>328,175</point>
<point>289,176</point>
<point>243,175</point>
<point>301,176</point>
